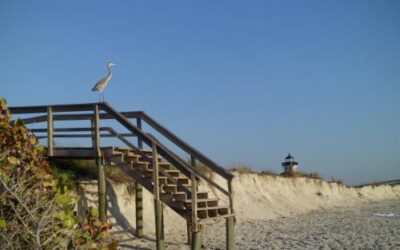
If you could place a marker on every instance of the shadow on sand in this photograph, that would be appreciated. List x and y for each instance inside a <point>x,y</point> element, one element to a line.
<point>122,229</point>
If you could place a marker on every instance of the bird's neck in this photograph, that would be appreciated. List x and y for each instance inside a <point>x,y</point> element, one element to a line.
<point>109,71</point>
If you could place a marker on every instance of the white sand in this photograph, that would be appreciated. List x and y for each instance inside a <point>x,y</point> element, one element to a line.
<point>273,212</point>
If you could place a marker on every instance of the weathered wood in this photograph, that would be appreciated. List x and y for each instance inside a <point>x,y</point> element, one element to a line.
<point>156,187</point>
<point>230,233</point>
<point>189,232</point>
<point>78,153</point>
<point>139,125</point>
<point>195,227</point>
<point>139,209</point>
<point>157,203</point>
<point>167,154</point>
<point>185,146</point>
<point>56,108</point>
<point>83,136</point>
<point>230,196</point>
<point>81,129</point>
<point>75,117</point>
<point>101,181</point>
<point>139,193</point>
<point>139,200</point>
<point>181,165</point>
<point>196,240</point>
<point>50,128</point>
<point>159,224</point>
<point>191,212</point>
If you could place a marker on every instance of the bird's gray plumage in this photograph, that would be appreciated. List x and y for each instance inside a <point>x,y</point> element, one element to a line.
<point>102,84</point>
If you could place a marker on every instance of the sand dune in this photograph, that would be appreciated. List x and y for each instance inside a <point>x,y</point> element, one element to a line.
<point>256,198</point>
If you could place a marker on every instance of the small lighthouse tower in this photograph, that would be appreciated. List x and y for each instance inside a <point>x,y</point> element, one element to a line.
<point>289,165</point>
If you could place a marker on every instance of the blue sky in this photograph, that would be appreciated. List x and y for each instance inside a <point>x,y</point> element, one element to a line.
<point>243,81</point>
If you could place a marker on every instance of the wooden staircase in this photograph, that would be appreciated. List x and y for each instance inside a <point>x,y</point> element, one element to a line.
<point>172,180</point>
<point>175,188</point>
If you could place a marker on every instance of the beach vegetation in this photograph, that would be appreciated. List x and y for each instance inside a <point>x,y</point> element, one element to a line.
<point>37,202</point>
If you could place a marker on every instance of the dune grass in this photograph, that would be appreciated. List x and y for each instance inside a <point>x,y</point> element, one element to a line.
<point>88,168</point>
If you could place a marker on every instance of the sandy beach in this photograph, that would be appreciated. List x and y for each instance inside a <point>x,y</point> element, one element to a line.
<point>372,225</point>
<point>272,213</point>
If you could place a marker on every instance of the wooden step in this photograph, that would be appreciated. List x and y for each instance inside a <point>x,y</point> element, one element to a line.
<point>173,188</point>
<point>115,158</point>
<point>173,173</point>
<point>162,180</point>
<point>162,165</point>
<point>200,195</point>
<point>131,157</point>
<point>202,203</point>
<point>180,180</point>
<point>151,158</point>
<point>212,212</point>
<point>109,152</point>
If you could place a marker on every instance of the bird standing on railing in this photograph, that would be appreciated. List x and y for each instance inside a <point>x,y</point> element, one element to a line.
<point>102,84</point>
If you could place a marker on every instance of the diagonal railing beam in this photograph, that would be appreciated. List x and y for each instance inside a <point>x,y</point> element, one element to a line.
<point>184,167</point>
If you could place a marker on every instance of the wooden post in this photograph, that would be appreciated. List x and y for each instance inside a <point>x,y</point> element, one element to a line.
<point>196,240</point>
<point>157,203</point>
<point>189,232</point>
<point>230,233</point>
<point>139,209</point>
<point>139,193</point>
<point>139,125</point>
<point>230,195</point>
<point>101,178</point>
<point>50,132</point>
<point>196,230</point>
<point>92,125</point>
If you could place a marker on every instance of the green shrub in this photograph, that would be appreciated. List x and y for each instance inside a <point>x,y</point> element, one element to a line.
<point>37,203</point>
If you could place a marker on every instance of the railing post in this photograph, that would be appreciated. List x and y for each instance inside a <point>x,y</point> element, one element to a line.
<point>139,125</point>
<point>50,132</point>
<point>230,222</point>
<point>230,195</point>
<point>195,227</point>
<point>158,211</point>
<point>101,178</point>
<point>93,126</point>
<point>139,193</point>
<point>230,233</point>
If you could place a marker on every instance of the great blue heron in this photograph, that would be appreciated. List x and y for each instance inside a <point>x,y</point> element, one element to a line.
<point>102,84</point>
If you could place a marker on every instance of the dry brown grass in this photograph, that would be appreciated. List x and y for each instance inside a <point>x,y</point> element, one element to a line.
<point>302,174</point>
<point>88,168</point>
<point>242,169</point>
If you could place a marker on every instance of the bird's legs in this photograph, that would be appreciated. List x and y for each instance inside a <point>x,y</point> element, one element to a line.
<point>102,94</point>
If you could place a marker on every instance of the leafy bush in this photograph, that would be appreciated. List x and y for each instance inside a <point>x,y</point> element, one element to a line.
<point>37,204</point>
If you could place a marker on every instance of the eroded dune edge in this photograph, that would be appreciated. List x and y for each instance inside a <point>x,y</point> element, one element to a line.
<point>256,197</point>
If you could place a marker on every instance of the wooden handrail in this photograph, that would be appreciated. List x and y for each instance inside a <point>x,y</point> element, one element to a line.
<point>184,146</point>
<point>136,114</point>
<point>55,108</point>
<point>80,129</point>
<point>184,167</point>
<point>70,117</point>
<point>122,118</point>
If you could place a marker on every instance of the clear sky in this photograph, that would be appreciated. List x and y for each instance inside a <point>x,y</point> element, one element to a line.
<point>243,81</point>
